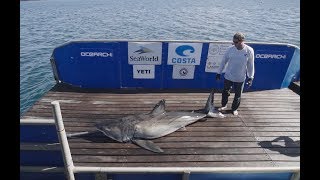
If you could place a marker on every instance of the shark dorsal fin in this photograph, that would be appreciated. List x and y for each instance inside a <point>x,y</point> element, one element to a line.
<point>159,108</point>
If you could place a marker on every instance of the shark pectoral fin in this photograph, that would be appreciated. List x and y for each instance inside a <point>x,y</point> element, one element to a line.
<point>147,144</point>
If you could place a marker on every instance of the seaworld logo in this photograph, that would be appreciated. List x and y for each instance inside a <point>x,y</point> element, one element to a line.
<point>143,50</point>
<point>96,54</point>
<point>184,50</point>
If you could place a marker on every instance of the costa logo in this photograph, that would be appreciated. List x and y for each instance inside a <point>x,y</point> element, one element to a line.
<point>184,50</point>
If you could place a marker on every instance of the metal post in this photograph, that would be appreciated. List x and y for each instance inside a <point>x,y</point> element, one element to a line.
<point>101,176</point>
<point>67,159</point>
<point>295,176</point>
<point>186,175</point>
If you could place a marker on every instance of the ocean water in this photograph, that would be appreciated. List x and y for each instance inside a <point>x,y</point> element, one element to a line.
<point>46,24</point>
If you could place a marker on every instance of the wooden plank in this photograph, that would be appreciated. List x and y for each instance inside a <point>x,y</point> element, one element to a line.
<point>287,157</point>
<point>275,134</point>
<point>181,164</point>
<point>170,151</point>
<point>168,158</point>
<point>103,138</point>
<point>267,138</point>
<point>270,120</point>
<point>173,107</point>
<point>134,110</point>
<point>226,134</point>
<point>102,114</point>
<point>209,123</point>
<point>275,129</point>
<point>278,116</point>
<point>270,113</point>
<point>275,124</point>
<point>166,145</point>
<point>190,128</point>
<point>286,163</point>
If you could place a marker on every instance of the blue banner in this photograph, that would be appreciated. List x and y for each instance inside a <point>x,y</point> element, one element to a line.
<point>167,65</point>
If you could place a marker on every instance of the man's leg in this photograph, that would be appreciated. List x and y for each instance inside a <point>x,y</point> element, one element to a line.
<point>226,92</point>
<point>238,88</point>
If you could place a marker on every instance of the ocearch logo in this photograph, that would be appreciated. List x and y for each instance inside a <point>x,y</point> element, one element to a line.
<point>271,56</point>
<point>97,54</point>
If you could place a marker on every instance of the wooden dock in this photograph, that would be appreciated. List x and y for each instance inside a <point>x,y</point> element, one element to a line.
<point>266,133</point>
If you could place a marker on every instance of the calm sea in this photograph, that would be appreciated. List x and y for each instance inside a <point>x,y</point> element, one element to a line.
<point>45,24</point>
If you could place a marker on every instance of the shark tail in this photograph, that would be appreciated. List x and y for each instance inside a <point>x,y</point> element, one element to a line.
<point>78,134</point>
<point>210,109</point>
<point>209,105</point>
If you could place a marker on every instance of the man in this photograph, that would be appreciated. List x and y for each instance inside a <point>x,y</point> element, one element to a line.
<point>240,59</point>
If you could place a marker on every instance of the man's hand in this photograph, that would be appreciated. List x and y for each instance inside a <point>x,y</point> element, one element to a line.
<point>218,77</point>
<point>249,82</point>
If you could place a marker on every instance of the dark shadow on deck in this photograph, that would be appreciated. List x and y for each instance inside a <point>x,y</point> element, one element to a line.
<point>288,143</point>
<point>295,87</point>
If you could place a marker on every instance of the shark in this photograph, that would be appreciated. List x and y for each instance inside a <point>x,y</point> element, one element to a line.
<point>143,50</point>
<point>141,129</point>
